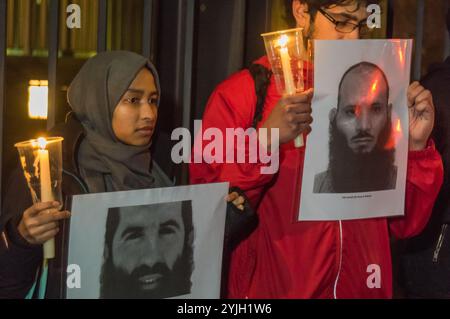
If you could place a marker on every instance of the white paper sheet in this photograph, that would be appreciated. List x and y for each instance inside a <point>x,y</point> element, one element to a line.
<point>88,226</point>
<point>332,190</point>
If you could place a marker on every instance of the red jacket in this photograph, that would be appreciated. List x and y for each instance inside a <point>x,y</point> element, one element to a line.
<point>286,259</point>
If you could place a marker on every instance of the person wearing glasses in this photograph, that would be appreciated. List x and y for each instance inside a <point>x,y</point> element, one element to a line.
<point>345,23</point>
<point>287,259</point>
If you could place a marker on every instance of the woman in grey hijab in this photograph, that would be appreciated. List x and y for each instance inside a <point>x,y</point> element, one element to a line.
<point>107,138</point>
<point>115,96</point>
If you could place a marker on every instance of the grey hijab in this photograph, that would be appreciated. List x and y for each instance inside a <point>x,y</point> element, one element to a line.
<point>104,162</point>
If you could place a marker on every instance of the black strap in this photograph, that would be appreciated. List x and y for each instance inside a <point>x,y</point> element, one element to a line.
<point>261,76</point>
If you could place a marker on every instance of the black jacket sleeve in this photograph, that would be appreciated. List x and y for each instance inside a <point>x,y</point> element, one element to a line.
<point>438,81</point>
<point>238,226</point>
<point>19,260</point>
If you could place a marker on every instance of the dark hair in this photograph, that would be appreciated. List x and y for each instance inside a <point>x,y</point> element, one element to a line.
<point>313,5</point>
<point>261,76</point>
<point>112,222</point>
<point>351,173</point>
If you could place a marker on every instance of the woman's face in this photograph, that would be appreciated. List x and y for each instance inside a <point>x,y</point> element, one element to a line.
<point>134,118</point>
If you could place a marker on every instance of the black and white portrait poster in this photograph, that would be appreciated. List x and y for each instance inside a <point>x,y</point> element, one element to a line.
<point>356,155</point>
<point>154,243</point>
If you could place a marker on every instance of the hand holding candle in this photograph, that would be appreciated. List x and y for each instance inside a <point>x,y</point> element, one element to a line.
<point>291,116</point>
<point>41,161</point>
<point>39,222</point>
<point>288,57</point>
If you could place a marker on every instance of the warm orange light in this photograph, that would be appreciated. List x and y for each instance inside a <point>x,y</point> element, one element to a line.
<point>400,56</point>
<point>396,136</point>
<point>358,110</point>
<point>37,99</point>
<point>374,86</point>
<point>398,127</point>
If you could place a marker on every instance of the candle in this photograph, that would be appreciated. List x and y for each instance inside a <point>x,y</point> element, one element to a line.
<point>288,77</point>
<point>46,190</point>
<point>286,65</point>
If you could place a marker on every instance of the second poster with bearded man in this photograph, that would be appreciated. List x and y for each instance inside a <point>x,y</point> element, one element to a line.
<point>357,153</point>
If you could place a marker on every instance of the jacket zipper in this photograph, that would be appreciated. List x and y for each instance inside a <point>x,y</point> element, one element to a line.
<point>340,259</point>
<point>439,243</point>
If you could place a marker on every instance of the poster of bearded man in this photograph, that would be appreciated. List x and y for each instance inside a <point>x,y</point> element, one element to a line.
<point>356,155</point>
<point>147,244</point>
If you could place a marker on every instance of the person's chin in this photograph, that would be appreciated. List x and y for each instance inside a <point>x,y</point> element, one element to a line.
<point>143,141</point>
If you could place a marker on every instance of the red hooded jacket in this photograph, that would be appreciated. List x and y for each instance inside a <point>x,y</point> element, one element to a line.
<point>287,259</point>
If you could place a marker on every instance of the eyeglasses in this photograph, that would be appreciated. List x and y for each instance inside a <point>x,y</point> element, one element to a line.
<point>345,26</point>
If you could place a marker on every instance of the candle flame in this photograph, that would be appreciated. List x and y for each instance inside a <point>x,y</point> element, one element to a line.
<point>283,40</point>
<point>42,143</point>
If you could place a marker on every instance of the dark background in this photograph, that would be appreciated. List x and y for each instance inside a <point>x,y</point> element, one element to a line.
<point>195,44</point>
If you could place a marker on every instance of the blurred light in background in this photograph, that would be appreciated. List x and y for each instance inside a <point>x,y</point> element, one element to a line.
<point>38,99</point>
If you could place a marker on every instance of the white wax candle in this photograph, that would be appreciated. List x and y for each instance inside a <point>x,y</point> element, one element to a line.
<point>289,83</point>
<point>287,71</point>
<point>46,195</point>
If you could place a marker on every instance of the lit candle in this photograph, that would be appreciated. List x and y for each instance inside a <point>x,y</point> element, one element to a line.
<point>288,77</point>
<point>46,190</point>
<point>286,65</point>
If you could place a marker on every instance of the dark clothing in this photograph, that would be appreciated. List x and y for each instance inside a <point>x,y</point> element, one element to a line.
<point>20,261</point>
<point>425,262</point>
<point>238,227</point>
